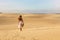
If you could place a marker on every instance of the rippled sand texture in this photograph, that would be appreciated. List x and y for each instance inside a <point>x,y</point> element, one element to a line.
<point>37,27</point>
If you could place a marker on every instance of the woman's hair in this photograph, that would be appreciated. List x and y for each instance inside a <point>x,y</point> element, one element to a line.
<point>20,18</point>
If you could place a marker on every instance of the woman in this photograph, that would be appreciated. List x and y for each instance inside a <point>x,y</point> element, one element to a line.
<point>20,22</point>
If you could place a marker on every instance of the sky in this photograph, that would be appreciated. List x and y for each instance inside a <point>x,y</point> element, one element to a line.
<point>30,6</point>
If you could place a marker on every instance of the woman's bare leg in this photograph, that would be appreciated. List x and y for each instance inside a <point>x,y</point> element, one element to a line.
<point>20,29</point>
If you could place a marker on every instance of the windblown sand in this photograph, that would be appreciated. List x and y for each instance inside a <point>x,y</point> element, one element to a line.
<point>36,27</point>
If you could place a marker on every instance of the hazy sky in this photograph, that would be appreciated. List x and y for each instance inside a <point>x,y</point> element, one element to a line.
<point>19,5</point>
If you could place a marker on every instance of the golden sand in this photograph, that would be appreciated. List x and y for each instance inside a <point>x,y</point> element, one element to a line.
<point>37,27</point>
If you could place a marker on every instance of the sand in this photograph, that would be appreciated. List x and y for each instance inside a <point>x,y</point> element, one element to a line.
<point>36,27</point>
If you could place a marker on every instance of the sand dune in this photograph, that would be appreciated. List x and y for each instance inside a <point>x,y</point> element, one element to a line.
<point>37,27</point>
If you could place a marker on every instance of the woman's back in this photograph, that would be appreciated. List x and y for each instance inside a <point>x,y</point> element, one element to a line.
<point>21,23</point>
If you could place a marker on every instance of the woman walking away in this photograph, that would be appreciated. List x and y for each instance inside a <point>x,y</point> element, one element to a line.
<point>20,23</point>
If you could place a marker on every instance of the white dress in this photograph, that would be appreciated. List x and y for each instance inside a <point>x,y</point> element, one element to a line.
<point>20,24</point>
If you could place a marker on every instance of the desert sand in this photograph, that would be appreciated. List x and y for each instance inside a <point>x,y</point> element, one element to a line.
<point>36,27</point>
